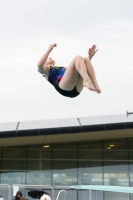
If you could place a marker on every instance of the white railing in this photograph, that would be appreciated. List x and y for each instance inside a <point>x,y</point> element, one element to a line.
<point>5,191</point>
<point>77,192</point>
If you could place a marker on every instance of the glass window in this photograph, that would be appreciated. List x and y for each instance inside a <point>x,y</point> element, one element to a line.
<point>89,162</point>
<point>64,164</point>
<point>90,166</point>
<point>33,178</point>
<point>38,177</point>
<point>116,144</point>
<point>116,179</point>
<point>64,177</point>
<point>90,154</point>
<point>1,152</point>
<point>131,179</point>
<point>131,166</point>
<point>85,178</point>
<point>38,164</point>
<point>65,145</point>
<point>42,153</point>
<point>115,155</point>
<point>115,166</point>
<point>46,177</point>
<point>130,142</point>
<point>130,154</point>
<point>90,145</point>
<point>14,164</point>
<point>65,151</point>
<point>65,154</point>
<point>13,178</point>
<point>0,157</point>
<point>17,152</point>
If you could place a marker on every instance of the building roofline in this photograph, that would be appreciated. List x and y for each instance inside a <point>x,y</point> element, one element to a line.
<point>66,126</point>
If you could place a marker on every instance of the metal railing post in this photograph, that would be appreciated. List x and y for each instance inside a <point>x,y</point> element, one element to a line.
<point>90,194</point>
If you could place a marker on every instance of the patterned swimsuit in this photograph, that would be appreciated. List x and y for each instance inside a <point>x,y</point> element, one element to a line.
<point>55,76</point>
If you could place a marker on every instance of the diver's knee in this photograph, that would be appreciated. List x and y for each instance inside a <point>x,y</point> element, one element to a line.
<point>86,59</point>
<point>78,57</point>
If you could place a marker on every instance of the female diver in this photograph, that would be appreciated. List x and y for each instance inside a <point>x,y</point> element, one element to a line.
<point>69,81</point>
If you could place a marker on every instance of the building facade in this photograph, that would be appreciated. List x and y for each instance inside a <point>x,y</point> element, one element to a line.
<point>91,150</point>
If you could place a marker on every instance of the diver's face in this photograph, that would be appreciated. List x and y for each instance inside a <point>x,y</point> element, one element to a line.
<point>50,61</point>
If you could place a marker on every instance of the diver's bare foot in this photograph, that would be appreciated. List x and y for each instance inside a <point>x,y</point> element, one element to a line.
<point>97,87</point>
<point>89,85</point>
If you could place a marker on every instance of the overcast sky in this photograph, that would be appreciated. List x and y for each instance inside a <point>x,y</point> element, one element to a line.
<point>27,27</point>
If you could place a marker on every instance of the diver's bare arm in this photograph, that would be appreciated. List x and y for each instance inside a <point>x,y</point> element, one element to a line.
<point>43,59</point>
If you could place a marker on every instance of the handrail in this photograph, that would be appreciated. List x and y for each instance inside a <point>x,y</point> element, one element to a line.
<point>59,193</point>
<point>33,186</point>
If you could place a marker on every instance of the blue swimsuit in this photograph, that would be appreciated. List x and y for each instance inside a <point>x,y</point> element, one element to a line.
<point>55,76</point>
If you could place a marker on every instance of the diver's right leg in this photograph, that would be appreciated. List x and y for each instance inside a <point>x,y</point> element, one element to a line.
<point>71,77</point>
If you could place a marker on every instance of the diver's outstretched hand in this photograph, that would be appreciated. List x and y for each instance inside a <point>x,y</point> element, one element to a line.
<point>51,46</point>
<point>92,51</point>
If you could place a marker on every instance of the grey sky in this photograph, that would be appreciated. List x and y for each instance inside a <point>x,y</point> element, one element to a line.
<point>26,30</point>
